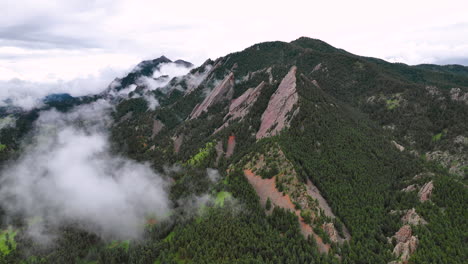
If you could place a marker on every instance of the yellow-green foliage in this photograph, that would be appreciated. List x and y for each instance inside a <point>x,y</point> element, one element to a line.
<point>437,137</point>
<point>392,104</point>
<point>2,147</point>
<point>221,197</point>
<point>202,154</point>
<point>169,237</point>
<point>7,241</point>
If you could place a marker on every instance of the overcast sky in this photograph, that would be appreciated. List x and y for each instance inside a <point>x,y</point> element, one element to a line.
<point>47,41</point>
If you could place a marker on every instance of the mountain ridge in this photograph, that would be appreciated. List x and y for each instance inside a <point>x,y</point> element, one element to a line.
<point>384,144</point>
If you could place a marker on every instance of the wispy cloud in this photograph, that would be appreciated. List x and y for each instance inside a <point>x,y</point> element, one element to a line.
<point>68,173</point>
<point>27,94</point>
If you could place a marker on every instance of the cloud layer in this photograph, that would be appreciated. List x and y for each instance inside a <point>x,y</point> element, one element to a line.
<point>51,36</point>
<point>27,94</point>
<point>68,173</point>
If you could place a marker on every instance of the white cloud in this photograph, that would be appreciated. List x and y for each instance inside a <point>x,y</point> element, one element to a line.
<point>49,41</point>
<point>171,69</point>
<point>28,94</point>
<point>68,173</point>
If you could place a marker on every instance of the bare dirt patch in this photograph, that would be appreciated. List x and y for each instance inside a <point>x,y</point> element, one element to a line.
<point>265,188</point>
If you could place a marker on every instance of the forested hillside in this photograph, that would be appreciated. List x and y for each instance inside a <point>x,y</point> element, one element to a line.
<point>281,153</point>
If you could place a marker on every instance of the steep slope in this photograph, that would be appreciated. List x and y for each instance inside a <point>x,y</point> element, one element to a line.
<point>323,82</point>
<point>322,157</point>
<point>275,118</point>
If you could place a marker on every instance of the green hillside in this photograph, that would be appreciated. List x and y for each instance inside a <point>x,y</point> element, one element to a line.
<point>375,139</point>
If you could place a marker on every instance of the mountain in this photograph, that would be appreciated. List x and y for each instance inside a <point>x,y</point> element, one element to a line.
<point>323,157</point>
<point>146,69</point>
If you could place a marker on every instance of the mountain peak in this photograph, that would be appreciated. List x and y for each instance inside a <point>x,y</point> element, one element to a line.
<point>314,44</point>
<point>162,59</point>
<point>184,63</point>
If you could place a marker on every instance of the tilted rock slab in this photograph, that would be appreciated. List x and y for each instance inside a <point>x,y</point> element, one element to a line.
<point>412,218</point>
<point>426,191</point>
<point>240,106</point>
<point>223,91</point>
<point>405,249</point>
<point>275,117</point>
<point>406,243</point>
<point>157,127</point>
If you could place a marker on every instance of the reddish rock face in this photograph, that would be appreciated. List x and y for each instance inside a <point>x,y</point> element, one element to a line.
<point>426,191</point>
<point>231,146</point>
<point>178,142</point>
<point>241,105</point>
<point>275,117</point>
<point>404,250</point>
<point>406,243</point>
<point>403,234</point>
<point>412,218</point>
<point>222,91</point>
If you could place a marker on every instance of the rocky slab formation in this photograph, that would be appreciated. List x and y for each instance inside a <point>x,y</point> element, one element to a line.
<point>426,191</point>
<point>403,234</point>
<point>240,106</point>
<point>410,188</point>
<point>178,142</point>
<point>223,91</point>
<point>406,243</point>
<point>398,146</point>
<point>405,249</point>
<point>331,231</point>
<point>281,103</point>
<point>231,146</point>
<point>456,94</point>
<point>329,228</point>
<point>157,127</point>
<point>412,218</point>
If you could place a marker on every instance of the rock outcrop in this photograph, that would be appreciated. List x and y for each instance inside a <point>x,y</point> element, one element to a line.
<point>455,160</point>
<point>241,106</point>
<point>432,90</point>
<point>458,95</point>
<point>406,243</point>
<point>281,103</point>
<point>410,188</point>
<point>461,140</point>
<point>426,191</point>
<point>398,146</point>
<point>330,229</point>
<point>157,127</point>
<point>178,142</point>
<point>405,249</point>
<point>223,91</point>
<point>403,234</point>
<point>231,146</point>
<point>412,218</point>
